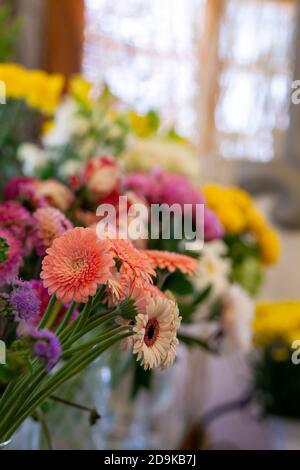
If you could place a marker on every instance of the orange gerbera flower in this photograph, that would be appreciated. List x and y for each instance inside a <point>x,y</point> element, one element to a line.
<point>76,264</point>
<point>171,261</point>
<point>134,263</point>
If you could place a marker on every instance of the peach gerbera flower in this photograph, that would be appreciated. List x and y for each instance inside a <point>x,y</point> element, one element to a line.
<point>76,264</point>
<point>51,223</point>
<point>172,261</point>
<point>134,263</point>
<point>155,340</point>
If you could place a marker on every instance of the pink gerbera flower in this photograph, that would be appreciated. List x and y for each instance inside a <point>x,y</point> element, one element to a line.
<point>172,261</point>
<point>9,269</point>
<point>134,263</point>
<point>76,264</point>
<point>51,223</point>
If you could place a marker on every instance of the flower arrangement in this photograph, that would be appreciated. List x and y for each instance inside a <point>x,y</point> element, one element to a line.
<point>90,294</point>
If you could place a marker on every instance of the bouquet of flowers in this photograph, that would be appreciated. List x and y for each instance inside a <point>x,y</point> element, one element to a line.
<point>68,295</point>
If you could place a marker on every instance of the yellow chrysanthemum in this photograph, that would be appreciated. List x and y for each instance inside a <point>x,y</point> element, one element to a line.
<point>277,321</point>
<point>269,244</point>
<point>37,88</point>
<point>237,212</point>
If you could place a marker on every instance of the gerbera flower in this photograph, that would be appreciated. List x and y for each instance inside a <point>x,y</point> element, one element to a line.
<point>172,261</point>
<point>51,223</point>
<point>134,263</point>
<point>9,269</point>
<point>76,264</point>
<point>154,340</point>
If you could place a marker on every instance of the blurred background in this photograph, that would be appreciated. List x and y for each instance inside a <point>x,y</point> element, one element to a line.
<point>221,72</point>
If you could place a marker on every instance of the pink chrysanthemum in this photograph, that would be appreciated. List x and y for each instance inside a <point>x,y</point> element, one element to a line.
<point>76,264</point>
<point>19,222</point>
<point>172,261</point>
<point>51,223</point>
<point>134,263</point>
<point>9,269</point>
<point>24,189</point>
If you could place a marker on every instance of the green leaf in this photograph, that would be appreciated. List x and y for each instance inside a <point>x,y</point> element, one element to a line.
<point>193,341</point>
<point>179,283</point>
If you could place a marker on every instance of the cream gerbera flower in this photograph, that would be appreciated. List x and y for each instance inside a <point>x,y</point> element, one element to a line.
<point>155,340</point>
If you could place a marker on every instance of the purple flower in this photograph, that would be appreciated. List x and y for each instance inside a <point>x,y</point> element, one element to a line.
<point>45,345</point>
<point>25,302</point>
<point>212,227</point>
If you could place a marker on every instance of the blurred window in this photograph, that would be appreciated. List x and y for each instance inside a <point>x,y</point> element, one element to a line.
<point>218,68</point>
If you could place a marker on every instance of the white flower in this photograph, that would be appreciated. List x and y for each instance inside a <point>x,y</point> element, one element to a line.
<point>65,124</point>
<point>69,168</point>
<point>155,339</point>
<point>32,157</point>
<point>145,154</point>
<point>236,318</point>
<point>213,268</point>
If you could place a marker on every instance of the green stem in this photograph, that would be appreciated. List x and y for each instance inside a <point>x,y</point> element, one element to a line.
<point>55,381</point>
<point>52,318</point>
<point>95,340</point>
<point>66,319</point>
<point>83,316</point>
<point>48,312</point>
<point>42,419</point>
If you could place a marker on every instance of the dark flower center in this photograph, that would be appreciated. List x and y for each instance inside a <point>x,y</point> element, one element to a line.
<point>151,332</point>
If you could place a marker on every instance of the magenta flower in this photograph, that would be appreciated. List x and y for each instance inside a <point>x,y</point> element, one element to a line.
<point>24,189</point>
<point>19,222</point>
<point>160,187</point>
<point>9,269</point>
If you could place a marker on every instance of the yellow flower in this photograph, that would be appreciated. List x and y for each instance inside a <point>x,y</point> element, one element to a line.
<point>47,126</point>
<point>80,89</point>
<point>269,244</point>
<point>37,88</point>
<point>280,353</point>
<point>277,321</point>
<point>238,214</point>
<point>140,124</point>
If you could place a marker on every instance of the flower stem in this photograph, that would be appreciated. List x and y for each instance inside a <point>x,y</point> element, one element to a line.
<point>48,312</point>
<point>66,318</point>
<point>65,373</point>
